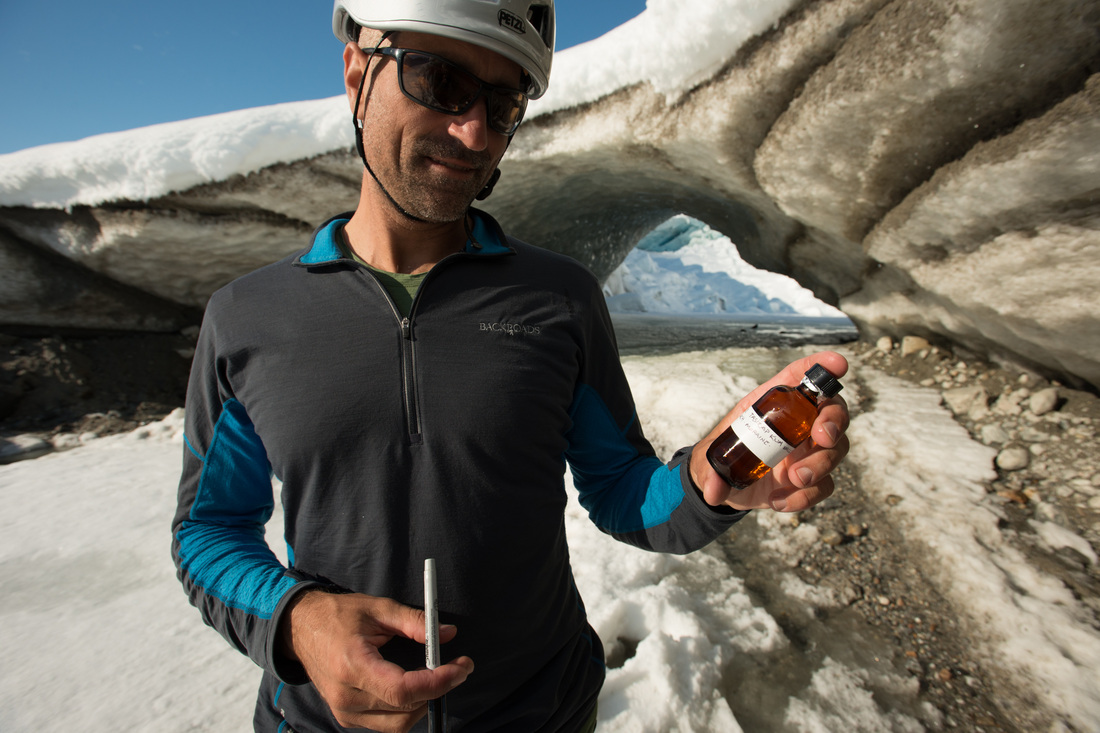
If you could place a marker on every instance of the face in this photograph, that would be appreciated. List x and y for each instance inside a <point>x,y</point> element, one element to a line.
<point>433,164</point>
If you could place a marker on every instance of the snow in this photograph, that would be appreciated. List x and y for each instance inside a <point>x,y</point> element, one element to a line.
<point>152,161</point>
<point>666,45</point>
<point>98,635</point>
<point>94,633</point>
<point>685,267</point>
<point>673,46</point>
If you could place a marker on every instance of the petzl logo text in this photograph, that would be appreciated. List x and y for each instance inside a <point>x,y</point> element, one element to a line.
<point>511,21</point>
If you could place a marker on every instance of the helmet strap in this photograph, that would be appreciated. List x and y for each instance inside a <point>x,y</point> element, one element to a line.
<point>358,122</point>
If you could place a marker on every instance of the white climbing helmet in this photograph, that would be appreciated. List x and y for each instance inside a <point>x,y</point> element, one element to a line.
<point>519,30</point>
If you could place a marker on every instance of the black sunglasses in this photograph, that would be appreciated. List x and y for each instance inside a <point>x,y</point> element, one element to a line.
<point>443,86</point>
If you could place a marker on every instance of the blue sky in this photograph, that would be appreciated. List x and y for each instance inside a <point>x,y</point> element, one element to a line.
<point>72,69</point>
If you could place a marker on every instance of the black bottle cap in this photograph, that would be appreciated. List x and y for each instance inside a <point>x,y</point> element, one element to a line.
<point>823,381</point>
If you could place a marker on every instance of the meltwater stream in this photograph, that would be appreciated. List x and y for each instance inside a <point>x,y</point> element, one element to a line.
<point>649,334</point>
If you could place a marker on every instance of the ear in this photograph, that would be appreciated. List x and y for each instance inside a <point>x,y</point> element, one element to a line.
<point>355,63</point>
<point>485,192</point>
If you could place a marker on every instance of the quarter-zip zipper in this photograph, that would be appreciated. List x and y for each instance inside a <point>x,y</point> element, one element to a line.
<point>408,367</point>
<point>408,356</point>
<point>410,392</point>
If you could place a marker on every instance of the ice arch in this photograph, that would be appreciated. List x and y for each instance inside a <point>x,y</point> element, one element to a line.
<point>930,166</point>
<point>683,267</point>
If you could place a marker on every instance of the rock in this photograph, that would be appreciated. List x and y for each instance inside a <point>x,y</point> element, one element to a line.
<point>1009,404</point>
<point>849,593</point>
<point>1016,497</point>
<point>1033,435</point>
<point>993,434</point>
<point>1050,512</point>
<point>854,530</point>
<point>65,441</point>
<point>20,447</point>
<point>1082,485</point>
<point>1013,459</point>
<point>832,538</point>
<point>1043,401</point>
<point>963,400</point>
<point>913,345</point>
<point>885,344</point>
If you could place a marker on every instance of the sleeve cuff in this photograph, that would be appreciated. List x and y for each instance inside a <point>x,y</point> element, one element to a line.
<point>694,497</point>
<point>287,670</point>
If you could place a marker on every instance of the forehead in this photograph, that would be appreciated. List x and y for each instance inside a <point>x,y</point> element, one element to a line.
<point>487,65</point>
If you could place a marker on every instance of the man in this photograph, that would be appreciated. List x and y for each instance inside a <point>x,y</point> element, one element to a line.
<point>419,381</point>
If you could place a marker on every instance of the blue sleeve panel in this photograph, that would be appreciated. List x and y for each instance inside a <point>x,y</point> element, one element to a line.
<point>225,564</point>
<point>622,490</point>
<point>632,496</point>
<point>221,545</point>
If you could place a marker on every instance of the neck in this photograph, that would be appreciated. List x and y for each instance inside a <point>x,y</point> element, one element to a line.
<point>390,241</point>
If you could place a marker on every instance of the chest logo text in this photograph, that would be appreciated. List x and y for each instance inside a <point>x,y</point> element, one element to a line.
<point>512,329</point>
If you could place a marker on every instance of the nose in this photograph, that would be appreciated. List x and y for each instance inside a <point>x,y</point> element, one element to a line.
<point>472,126</point>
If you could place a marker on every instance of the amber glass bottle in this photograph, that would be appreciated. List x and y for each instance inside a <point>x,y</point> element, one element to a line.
<point>769,430</point>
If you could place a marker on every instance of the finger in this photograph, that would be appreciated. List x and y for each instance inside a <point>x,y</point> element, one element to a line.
<point>796,500</point>
<point>407,621</point>
<point>397,618</point>
<point>447,632</point>
<point>389,698</point>
<point>383,721</point>
<point>809,464</point>
<point>428,684</point>
<point>398,689</point>
<point>831,422</point>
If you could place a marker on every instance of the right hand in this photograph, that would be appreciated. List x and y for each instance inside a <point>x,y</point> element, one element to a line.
<point>800,480</point>
<point>337,638</point>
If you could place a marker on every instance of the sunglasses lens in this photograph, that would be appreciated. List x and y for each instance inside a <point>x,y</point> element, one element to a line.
<point>445,87</point>
<point>506,110</point>
<point>438,84</point>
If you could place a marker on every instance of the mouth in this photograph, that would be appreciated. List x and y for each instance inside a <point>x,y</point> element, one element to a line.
<point>454,166</point>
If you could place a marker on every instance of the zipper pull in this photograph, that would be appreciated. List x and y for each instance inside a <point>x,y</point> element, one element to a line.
<point>406,329</point>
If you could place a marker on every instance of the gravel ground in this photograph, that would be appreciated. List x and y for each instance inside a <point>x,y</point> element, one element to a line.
<point>865,560</point>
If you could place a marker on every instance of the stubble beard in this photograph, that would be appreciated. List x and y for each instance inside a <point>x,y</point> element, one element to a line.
<point>431,195</point>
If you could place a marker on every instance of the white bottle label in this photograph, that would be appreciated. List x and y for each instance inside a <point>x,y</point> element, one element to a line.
<point>758,436</point>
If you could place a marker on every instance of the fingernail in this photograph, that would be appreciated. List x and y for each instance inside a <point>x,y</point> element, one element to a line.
<point>779,504</point>
<point>806,476</point>
<point>832,431</point>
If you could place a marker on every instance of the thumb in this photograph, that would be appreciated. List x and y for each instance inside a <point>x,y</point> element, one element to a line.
<point>400,619</point>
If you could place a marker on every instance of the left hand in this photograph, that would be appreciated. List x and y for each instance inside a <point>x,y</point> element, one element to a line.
<point>801,479</point>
